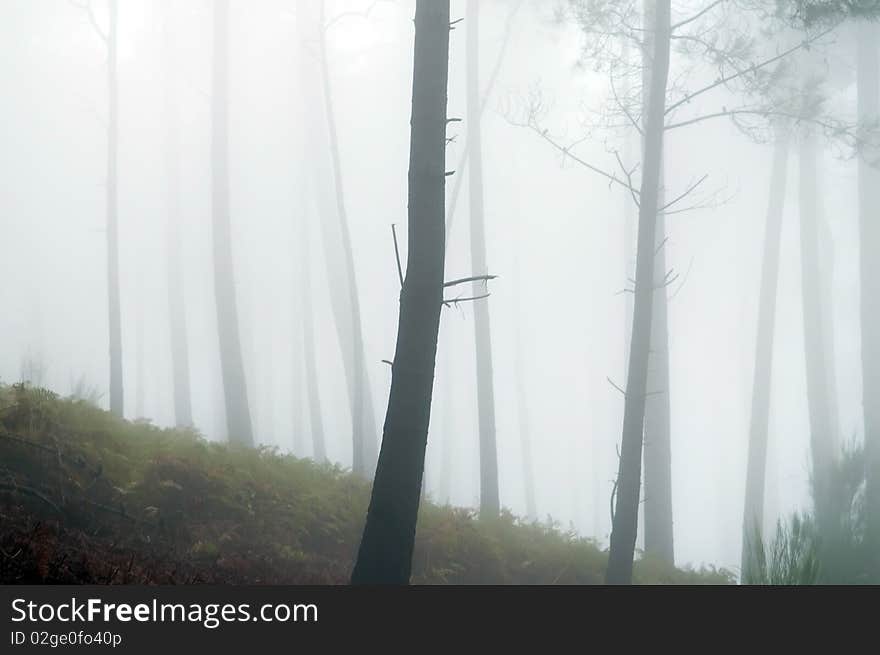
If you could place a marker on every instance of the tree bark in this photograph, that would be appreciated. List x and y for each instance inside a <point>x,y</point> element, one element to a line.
<point>385,554</point>
<point>117,402</point>
<point>753,513</point>
<point>176,304</point>
<point>868,73</point>
<point>238,418</point>
<point>819,388</point>
<point>625,522</point>
<point>489,501</point>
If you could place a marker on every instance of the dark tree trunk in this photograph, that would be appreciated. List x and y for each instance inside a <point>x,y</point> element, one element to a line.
<point>753,513</point>
<point>625,522</point>
<point>819,388</point>
<point>238,418</point>
<point>176,305</point>
<point>385,554</point>
<point>115,313</point>
<point>489,502</point>
<point>869,251</point>
<point>351,339</point>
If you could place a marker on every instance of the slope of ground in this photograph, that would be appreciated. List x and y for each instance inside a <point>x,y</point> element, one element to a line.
<point>88,498</point>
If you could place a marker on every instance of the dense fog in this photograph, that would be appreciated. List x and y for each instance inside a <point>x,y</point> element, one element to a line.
<point>559,236</point>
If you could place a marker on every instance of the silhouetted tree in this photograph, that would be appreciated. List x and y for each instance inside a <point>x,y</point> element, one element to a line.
<point>385,553</point>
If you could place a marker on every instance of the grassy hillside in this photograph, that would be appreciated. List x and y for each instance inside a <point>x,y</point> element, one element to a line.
<point>88,498</point>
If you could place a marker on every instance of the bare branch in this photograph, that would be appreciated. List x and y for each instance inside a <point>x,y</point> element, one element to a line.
<point>397,254</point>
<point>754,67</point>
<point>684,194</point>
<point>448,302</point>
<point>472,278</point>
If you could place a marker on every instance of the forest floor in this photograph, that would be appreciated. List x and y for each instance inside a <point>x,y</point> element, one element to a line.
<point>89,498</point>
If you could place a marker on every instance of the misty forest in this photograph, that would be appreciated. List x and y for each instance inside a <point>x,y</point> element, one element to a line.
<point>432,292</point>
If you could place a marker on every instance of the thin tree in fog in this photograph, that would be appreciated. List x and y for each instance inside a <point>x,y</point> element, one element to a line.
<point>820,388</point>
<point>489,502</point>
<point>180,378</point>
<point>753,514</point>
<point>307,324</point>
<point>235,396</point>
<point>338,253</point>
<point>522,396</point>
<point>868,87</point>
<point>461,164</point>
<point>385,553</point>
<point>109,38</point>
<point>657,505</point>
<point>625,519</point>
<point>734,50</point>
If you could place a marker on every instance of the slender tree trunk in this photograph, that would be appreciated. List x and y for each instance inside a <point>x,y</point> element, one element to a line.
<point>489,502</point>
<point>869,250</point>
<point>657,442</point>
<point>115,311</point>
<point>522,398</point>
<point>448,406</point>
<point>657,507</point>
<point>385,554</point>
<point>238,418</point>
<point>815,340</point>
<point>140,373</point>
<point>487,92</point>
<point>753,514</point>
<point>176,305</point>
<point>316,422</point>
<point>352,343</point>
<point>625,522</point>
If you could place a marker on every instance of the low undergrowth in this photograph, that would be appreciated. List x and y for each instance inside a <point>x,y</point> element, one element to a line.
<point>89,498</point>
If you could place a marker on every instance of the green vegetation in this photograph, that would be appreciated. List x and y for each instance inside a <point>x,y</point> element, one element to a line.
<point>824,547</point>
<point>88,498</point>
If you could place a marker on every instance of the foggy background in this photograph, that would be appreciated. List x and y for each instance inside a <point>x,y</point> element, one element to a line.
<point>555,236</point>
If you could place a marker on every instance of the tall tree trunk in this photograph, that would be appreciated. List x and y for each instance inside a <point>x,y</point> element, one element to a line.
<point>753,513</point>
<point>238,417</point>
<point>140,373</point>
<point>448,406</point>
<point>869,250</point>
<point>657,441</point>
<point>625,522</point>
<point>522,400</point>
<point>487,93</point>
<point>316,422</point>
<point>489,502</point>
<point>347,307</point>
<point>176,305</point>
<point>815,340</point>
<point>385,554</point>
<point>657,458</point>
<point>115,313</point>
